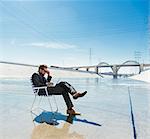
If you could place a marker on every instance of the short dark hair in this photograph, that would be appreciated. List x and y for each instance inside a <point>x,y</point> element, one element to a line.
<point>42,66</point>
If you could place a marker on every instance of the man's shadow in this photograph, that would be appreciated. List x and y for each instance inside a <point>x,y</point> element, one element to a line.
<point>47,131</point>
<point>53,118</point>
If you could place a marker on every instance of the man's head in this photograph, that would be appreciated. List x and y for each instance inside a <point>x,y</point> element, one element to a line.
<point>42,69</point>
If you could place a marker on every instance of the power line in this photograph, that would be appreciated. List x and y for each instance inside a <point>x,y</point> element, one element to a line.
<point>33,28</point>
<point>94,17</point>
<point>45,36</point>
<point>24,23</point>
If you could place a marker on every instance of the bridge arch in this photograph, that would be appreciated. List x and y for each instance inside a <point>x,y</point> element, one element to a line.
<point>131,61</point>
<point>128,62</point>
<point>103,63</point>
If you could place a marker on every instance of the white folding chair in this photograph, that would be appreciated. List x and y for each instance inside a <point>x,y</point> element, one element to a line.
<point>36,91</point>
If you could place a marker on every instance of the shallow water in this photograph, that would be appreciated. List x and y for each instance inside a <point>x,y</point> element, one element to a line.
<point>107,103</point>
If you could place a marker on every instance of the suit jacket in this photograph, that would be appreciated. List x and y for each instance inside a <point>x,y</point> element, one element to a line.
<point>39,80</point>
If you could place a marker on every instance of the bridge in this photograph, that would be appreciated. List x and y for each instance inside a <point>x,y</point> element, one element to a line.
<point>114,67</point>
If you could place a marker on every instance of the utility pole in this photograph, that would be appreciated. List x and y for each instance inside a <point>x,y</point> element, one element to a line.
<point>90,57</point>
<point>148,38</point>
<point>149,52</point>
<point>137,56</point>
<point>99,61</point>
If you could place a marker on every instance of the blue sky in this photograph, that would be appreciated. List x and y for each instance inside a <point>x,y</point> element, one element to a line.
<point>62,32</point>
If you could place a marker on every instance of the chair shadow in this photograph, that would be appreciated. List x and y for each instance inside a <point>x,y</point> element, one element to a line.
<point>45,117</point>
<point>46,131</point>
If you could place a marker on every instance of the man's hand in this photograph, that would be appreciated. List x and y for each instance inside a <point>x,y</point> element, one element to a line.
<point>47,71</point>
<point>50,84</point>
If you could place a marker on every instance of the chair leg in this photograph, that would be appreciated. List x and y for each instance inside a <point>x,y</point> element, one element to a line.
<point>48,100</point>
<point>40,101</point>
<point>33,103</point>
<point>55,104</point>
<point>49,103</point>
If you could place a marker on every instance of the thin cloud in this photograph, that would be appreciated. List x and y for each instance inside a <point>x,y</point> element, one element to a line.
<point>52,45</point>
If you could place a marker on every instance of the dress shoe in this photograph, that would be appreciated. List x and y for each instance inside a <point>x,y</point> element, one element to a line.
<point>72,112</point>
<point>77,95</point>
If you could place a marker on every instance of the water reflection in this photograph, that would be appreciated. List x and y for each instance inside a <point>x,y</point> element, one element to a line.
<point>97,80</point>
<point>46,131</point>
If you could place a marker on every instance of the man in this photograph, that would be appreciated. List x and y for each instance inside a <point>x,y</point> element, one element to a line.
<point>62,88</point>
